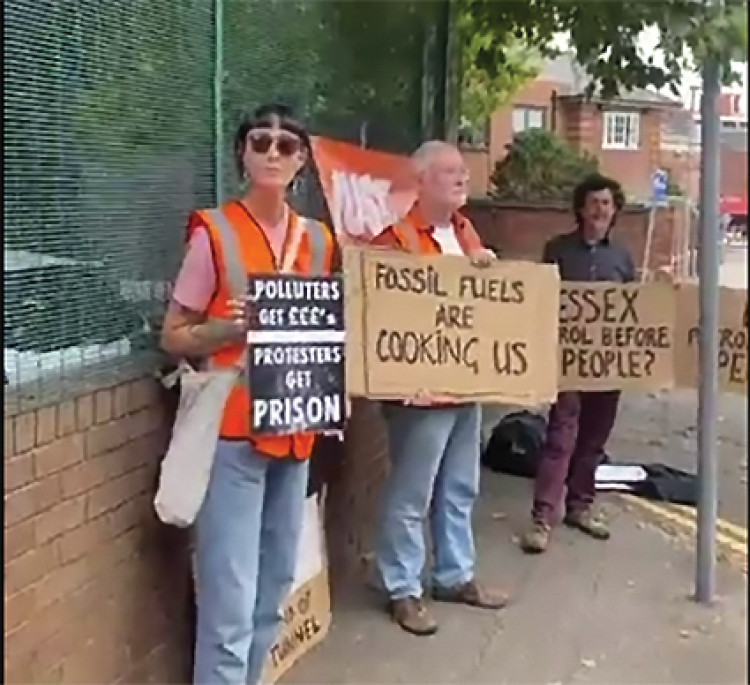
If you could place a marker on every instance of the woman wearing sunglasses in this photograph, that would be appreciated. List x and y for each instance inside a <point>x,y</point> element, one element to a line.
<point>248,527</point>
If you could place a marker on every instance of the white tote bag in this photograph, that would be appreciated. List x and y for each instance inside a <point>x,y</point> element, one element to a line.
<point>186,467</point>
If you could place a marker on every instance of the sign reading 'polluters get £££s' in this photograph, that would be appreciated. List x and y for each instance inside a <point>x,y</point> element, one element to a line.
<point>295,369</point>
<point>439,325</point>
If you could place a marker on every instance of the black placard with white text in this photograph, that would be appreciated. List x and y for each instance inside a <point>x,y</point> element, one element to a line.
<point>295,368</point>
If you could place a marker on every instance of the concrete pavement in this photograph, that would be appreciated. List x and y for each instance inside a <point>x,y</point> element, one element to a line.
<point>585,612</point>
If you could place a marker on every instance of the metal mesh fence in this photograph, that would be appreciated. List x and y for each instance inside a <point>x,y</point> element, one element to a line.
<point>110,139</point>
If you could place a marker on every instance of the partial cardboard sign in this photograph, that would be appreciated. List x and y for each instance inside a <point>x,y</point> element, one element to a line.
<point>307,611</point>
<point>733,332</point>
<point>616,336</point>
<point>437,324</point>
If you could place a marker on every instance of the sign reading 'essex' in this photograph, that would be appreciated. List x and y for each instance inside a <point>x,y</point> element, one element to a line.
<point>616,337</point>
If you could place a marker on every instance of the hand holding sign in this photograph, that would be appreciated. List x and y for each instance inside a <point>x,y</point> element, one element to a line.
<point>240,315</point>
<point>232,328</point>
<point>425,399</point>
<point>482,258</point>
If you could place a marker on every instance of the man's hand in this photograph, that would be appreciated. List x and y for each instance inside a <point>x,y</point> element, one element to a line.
<point>424,399</point>
<point>482,258</point>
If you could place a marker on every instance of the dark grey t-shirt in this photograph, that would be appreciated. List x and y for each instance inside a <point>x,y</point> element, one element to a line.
<point>578,260</point>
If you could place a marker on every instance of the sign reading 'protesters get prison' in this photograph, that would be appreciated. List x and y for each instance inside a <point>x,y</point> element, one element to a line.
<point>439,325</point>
<point>616,337</point>
<point>296,354</point>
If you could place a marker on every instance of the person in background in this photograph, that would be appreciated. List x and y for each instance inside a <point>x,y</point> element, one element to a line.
<point>433,442</point>
<point>248,528</point>
<point>580,422</point>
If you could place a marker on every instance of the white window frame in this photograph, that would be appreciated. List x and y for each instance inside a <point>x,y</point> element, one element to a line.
<point>621,131</point>
<point>525,111</point>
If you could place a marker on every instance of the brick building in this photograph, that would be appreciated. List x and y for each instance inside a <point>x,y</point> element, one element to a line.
<point>624,133</point>
<point>733,141</point>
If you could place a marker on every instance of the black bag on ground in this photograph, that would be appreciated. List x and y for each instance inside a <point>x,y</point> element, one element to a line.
<point>515,444</point>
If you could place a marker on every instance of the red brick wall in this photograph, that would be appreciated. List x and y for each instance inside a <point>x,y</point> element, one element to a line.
<point>96,590</point>
<point>520,231</point>
<point>733,172</point>
<point>355,490</point>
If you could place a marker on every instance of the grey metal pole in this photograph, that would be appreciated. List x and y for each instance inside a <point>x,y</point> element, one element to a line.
<point>708,341</point>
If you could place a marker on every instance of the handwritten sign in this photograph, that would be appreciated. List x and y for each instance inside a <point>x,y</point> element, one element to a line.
<point>296,354</point>
<point>307,611</point>
<point>733,332</point>
<point>439,325</point>
<point>616,337</point>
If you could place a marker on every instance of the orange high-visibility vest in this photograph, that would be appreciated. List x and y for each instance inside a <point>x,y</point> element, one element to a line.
<point>240,245</point>
<point>412,234</point>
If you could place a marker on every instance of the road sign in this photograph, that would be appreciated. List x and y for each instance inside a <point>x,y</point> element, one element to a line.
<point>659,182</point>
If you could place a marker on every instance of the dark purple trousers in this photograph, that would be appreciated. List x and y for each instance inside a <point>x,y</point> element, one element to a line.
<point>578,429</point>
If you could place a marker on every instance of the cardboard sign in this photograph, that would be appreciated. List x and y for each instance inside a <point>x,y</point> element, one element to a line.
<point>733,332</point>
<point>616,337</point>
<point>439,325</point>
<point>295,363</point>
<point>307,611</point>
<point>366,190</point>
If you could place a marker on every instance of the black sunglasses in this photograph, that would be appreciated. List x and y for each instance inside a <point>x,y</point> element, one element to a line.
<point>287,144</point>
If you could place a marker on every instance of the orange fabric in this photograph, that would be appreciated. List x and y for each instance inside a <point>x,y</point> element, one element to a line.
<point>362,186</point>
<point>393,236</point>
<point>258,258</point>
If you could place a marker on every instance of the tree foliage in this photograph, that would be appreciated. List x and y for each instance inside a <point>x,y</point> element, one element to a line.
<point>483,91</point>
<point>540,166</point>
<point>604,36</point>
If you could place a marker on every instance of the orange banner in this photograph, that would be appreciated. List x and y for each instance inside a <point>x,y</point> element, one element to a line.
<point>366,190</point>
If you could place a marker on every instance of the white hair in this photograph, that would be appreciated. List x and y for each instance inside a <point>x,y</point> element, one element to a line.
<point>425,153</point>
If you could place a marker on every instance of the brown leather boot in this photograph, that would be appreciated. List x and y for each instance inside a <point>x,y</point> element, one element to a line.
<point>412,615</point>
<point>472,594</point>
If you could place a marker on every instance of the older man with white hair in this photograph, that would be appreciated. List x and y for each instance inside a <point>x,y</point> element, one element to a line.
<point>433,442</point>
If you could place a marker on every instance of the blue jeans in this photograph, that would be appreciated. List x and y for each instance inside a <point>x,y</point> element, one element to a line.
<point>434,455</point>
<point>247,533</point>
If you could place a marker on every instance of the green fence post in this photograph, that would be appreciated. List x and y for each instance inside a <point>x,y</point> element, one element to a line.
<point>219,148</point>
